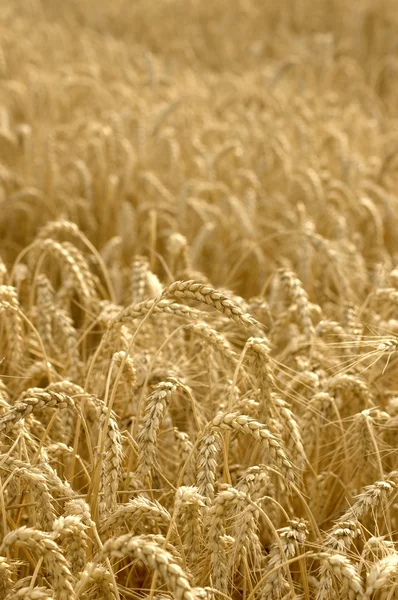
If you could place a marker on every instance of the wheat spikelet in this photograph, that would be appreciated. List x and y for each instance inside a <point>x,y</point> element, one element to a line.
<point>137,511</point>
<point>135,311</point>
<point>6,581</point>
<point>291,538</point>
<point>121,359</point>
<point>296,294</point>
<point>258,354</point>
<point>341,536</point>
<point>3,273</point>
<point>319,411</point>
<point>155,558</point>
<point>35,593</point>
<point>215,339</point>
<point>206,463</point>
<point>331,330</point>
<point>45,547</point>
<point>190,504</point>
<point>156,406</point>
<point>9,305</point>
<point>247,546</point>
<point>371,498</point>
<point>233,421</point>
<point>34,399</point>
<point>45,299</point>
<point>340,567</point>
<point>380,574</point>
<point>139,270</point>
<point>74,264</point>
<point>72,533</point>
<point>111,463</point>
<point>51,478</point>
<point>210,296</point>
<point>40,495</point>
<point>255,481</point>
<point>216,538</point>
<point>65,338</point>
<point>185,448</point>
<point>100,577</point>
<point>292,434</point>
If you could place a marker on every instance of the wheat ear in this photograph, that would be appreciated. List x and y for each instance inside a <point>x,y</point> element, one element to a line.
<point>155,558</point>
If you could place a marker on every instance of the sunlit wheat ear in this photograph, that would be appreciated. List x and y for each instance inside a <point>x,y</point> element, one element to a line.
<point>68,229</point>
<point>3,273</point>
<point>180,262</point>
<point>291,434</point>
<point>218,544</point>
<point>136,514</point>
<point>59,229</point>
<point>154,286</point>
<point>45,300</point>
<point>255,482</point>
<point>216,340</point>
<point>365,441</point>
<point>111,251</point>
<point>339,567</point>
<point>351,320</point>
<point>13,324</point>
<point>72,536</point>
<point>351,388</point>
<point>40,494</point>
<point>139,269</point>
<point>73,263</point>
<point>303,382</point>
<point>296,294</point>
<point>258,357</point>
<point>111,461</point>
<point>190,507</point>
<point>207,460</point>
<point>122,360</point>
<point>185,450</point>
<point>6,579</point>
<point>44,547</point>
<point>137,311</point>
<point>245,531</point>
<point>38,371</point>
<point>22,282</point>
<point>155,558</point>
<point>373,497</point>
<point>30,593</point>
<point>342,535</point>
<point>291,540</point>
<point>377,547</point>
<point>98,576</point>
<point>65,338</point>
<point>273,447</point>
<point>155,409</point>
<point>332,333</point>
<point>34,399</point>
<point>210,296</point>
<point>42,471</point>
<point>381,575</point>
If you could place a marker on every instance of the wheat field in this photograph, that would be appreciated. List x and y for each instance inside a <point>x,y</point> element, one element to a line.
<point>198,299</point>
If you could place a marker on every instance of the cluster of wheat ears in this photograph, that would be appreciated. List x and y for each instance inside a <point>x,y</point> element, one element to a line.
<point>198,300</point>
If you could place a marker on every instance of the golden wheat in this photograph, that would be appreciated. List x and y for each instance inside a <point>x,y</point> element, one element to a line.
<point>198,300</point>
